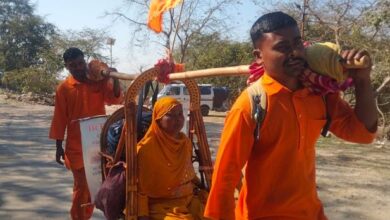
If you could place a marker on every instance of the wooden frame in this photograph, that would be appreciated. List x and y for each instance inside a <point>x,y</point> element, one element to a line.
<point>196,124</point>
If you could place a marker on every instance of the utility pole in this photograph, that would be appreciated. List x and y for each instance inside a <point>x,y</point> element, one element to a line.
<point>305,5</point>
<point>110,41</point>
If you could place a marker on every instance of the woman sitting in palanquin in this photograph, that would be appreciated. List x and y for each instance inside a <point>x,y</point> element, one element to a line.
<point>165,171</point>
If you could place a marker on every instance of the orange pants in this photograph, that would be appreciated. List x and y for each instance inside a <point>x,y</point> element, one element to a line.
<point>81,196</point>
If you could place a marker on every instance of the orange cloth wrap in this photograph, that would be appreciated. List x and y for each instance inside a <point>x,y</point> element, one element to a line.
<point>165,171</point>
<point>95,68</point>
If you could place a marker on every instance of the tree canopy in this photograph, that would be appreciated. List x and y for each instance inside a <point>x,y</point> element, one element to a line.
<point>211,51</point>
<point>24,36</point>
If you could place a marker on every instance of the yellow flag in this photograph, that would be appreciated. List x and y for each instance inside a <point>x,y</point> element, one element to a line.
<point>156,10</point>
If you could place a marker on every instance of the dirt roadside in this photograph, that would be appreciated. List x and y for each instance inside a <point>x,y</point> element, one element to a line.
<point>353,180</point>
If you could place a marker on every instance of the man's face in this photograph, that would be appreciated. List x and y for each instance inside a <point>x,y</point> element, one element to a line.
<point>78,68</point>
<point>282,53</point>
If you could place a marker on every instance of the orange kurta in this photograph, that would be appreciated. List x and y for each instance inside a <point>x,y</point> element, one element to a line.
<point>75,100</point>
<point>279,180</point>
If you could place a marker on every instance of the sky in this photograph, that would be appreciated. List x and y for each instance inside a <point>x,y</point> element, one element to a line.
<point>78,14</point>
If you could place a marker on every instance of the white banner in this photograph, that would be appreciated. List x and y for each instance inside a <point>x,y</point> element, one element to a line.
<point>90,140</point>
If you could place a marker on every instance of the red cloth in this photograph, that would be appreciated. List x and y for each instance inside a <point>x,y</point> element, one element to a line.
<point>111,196</point>
<point>166,67</point>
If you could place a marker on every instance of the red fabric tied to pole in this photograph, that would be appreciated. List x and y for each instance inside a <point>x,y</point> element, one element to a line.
<point>166,67</point>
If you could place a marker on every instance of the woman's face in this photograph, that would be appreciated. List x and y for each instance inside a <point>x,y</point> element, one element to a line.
<point>173,121</point>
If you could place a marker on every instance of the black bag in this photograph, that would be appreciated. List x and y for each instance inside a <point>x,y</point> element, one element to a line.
<point>115,130</point>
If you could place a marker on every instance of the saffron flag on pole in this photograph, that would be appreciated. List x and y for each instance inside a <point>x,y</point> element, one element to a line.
<point>156,10</point>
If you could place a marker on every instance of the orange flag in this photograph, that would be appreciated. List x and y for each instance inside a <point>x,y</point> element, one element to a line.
<point>156,10</point>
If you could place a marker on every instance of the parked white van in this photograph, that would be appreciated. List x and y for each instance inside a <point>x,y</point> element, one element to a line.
<point>180,92</point>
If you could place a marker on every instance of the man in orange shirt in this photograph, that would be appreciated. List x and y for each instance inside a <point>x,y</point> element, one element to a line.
<point>78,97</point>
<point>279,180</point>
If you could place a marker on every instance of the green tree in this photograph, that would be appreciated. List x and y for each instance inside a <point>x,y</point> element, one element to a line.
<point>24,36</point>
<point>210,51</point>
<point>26,52</point>
<point>91,41</point>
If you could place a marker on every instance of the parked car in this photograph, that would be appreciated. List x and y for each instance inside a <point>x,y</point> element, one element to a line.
<point>212,98</point>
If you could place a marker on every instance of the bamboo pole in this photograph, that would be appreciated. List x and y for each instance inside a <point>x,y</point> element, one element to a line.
<point>123,76</point>
<point>223,71</point>
<point>205,162</point>
<point>364,62</point>
<point>131,162</point>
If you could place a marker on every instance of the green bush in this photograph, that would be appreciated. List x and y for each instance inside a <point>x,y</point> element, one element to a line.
<point>33,80</point>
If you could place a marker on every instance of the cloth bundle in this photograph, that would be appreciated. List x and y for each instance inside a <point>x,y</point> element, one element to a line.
<point>324,59</point>
<point>95,70</point>
<point>111,197</point>
<point>324,73</point>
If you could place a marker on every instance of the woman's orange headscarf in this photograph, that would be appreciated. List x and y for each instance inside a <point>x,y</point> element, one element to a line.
<point>164,162</point>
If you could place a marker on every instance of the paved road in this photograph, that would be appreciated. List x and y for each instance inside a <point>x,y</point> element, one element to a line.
<point>32,185</point>
<point>353,180</point>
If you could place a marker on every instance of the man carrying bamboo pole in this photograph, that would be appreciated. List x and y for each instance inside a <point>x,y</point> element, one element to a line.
<point>279,181</point>
<point>79,97</point>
